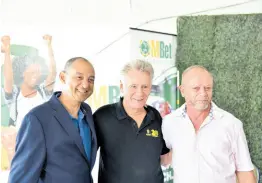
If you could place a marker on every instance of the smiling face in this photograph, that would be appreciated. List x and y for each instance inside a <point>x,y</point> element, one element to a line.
<point>136,86</point>
<point>196,88</point>
<point>78,80</point>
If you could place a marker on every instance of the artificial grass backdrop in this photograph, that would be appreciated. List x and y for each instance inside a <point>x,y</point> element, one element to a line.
<point>230,46</point>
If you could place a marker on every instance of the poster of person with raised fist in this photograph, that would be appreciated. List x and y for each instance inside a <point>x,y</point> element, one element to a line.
<point>27,80</point>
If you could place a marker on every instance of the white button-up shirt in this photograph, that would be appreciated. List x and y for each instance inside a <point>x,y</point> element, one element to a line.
<point>213,154</point>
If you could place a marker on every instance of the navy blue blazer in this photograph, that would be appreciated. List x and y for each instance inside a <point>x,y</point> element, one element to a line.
<point>49,148</point>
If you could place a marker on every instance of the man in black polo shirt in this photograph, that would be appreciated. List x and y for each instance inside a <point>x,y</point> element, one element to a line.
<point>129,132</point>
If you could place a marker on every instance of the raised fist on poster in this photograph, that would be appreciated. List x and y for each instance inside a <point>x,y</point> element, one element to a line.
<point>48,39</point>
<point>5,44</point>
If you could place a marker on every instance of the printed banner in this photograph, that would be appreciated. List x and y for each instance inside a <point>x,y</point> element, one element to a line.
<point>157,48</point>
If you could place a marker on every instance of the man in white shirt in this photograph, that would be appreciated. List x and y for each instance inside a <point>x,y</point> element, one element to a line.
<point>208,143</point>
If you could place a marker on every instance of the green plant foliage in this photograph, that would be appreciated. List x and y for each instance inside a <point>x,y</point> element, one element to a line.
<point>230,46</point>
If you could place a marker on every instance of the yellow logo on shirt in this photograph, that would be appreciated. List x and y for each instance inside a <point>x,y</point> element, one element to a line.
<point>152,133</point>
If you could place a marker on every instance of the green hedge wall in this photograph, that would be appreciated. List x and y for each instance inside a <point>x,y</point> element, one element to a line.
<point>230,46</point>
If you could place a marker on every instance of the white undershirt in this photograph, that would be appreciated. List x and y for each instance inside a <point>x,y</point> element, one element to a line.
<point>25,104</point>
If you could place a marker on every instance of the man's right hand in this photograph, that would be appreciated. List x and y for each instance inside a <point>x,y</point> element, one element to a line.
<point>5,44</point>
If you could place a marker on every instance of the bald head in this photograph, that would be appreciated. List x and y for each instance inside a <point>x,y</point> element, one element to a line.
<point>196,88</point>
<point>195,71</point>
<point>70,62</point>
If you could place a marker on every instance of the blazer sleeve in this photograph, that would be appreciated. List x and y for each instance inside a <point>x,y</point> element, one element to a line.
<point>29,157</point>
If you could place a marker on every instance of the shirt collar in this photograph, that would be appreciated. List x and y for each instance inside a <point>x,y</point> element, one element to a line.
<point>214,113</point>
<point>81,115</point>
<point>121,113</point>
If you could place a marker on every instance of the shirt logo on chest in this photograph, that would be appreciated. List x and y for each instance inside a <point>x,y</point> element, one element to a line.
<point>151,133</point>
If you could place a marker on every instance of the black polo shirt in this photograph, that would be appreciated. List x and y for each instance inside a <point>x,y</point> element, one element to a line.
<point>129,154</point>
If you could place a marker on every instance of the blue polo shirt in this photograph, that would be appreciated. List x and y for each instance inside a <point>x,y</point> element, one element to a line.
<point>84,131</point>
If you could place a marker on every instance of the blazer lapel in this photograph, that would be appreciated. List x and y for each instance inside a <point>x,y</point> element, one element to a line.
<point>64,119</point>
<point>90,122</point>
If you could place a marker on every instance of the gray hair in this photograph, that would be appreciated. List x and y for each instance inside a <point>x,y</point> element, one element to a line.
<point>140,65</point>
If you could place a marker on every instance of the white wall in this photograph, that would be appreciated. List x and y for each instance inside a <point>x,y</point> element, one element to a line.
<point>147,10</point>
<point>78,27</point>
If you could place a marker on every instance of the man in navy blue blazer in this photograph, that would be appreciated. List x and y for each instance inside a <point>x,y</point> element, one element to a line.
<point>57,141</point>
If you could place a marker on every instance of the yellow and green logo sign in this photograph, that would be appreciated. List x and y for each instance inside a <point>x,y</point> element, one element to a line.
<point>157,49</point>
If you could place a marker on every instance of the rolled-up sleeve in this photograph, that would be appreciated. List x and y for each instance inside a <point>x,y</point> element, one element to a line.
<point>9,97</point>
